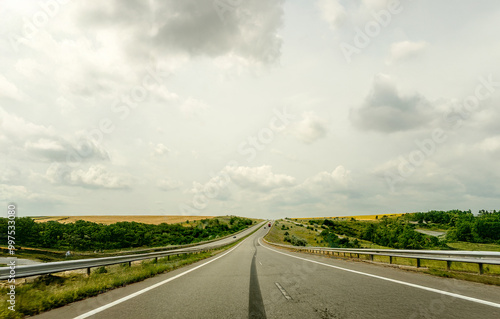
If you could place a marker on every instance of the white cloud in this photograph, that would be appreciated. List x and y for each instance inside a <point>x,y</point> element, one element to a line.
<point>310,129</point>
<point>159,150</point>
<point>193,108</point>
<point>340,177</point>
<point>490,144</point>
<point>258,178</point>
<point>9,89</point>
<point>405,50</point>
<point>10,175</point>
<point>169,184</point>
<point>332,12</point>
<point>96,176</point>
<point>42,143</point>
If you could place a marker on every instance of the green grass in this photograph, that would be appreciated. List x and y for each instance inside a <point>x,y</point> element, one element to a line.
<point>473,246</point>
<point>490,280</point>
<point>277,235</point>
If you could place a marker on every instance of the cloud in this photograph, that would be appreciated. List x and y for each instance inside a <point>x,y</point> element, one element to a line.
<point>197,28</point>
<point>490,145</point>
<point>193,108</point>
<point>406,50</point>
<point>168,184</point>
<point>259,179</point>
<point>339,178</point>
<point>10,175</point>
<point>332,12</point>
<point>9,90</point>
<point>310,129</point>
<point>386,110</point>
<point>159,150</point>
<point>323,188</point>
<point>95,177</point>
<point>42,143</point>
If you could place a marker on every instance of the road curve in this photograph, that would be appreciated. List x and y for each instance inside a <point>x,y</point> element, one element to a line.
<point>254,280</point>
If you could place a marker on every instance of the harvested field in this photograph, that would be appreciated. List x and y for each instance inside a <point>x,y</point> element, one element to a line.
<point>111,219</point>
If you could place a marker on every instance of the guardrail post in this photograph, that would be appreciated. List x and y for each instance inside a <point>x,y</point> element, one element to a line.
<point>390,259</point>
<point>418,262</point>
<point>156,260</point>
<point>480,268</point>
<point>130,264</point>
<point>371,257</point>
<point>168,257</point>
<point>448,265</point>
<point>88,271</point>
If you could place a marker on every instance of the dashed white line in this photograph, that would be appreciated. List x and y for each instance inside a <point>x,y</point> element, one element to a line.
<point>283,291</point>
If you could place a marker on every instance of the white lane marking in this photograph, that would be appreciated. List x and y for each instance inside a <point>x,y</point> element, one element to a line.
<point>451,294</point>
<point>135,294</point>
<point>260,263</point>
<point>283,291</point>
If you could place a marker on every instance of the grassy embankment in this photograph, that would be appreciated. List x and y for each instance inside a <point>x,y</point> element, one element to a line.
<point>48,292</point>
<point>458,270</point>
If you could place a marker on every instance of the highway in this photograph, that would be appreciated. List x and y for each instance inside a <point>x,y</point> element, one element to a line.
<point>255,280</point>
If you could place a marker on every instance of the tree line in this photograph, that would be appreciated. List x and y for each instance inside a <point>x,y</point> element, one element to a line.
<point>389,232</point>
<point>463,225</point>
<point>87,236</point>
<point>399,233</point>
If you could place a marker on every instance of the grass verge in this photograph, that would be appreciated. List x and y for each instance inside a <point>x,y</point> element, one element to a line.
<point>490,280</point>
<point>474,246</point>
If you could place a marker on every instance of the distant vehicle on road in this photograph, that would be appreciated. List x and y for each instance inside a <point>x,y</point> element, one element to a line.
<point>234,236</point>
<point>264,227</point>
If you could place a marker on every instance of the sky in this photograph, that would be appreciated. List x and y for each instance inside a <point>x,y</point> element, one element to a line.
<point>257,108</point>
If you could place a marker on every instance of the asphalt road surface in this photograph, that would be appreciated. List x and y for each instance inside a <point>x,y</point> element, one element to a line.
<point>254,280</point>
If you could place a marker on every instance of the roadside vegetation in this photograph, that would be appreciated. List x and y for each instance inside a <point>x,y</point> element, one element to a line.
<point>88,236</point>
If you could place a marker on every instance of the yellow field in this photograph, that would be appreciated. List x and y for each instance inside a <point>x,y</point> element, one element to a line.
<point>111,219</point>
<point>357,217</point>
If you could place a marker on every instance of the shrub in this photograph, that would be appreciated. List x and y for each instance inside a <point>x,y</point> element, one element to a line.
<point>101,270</point>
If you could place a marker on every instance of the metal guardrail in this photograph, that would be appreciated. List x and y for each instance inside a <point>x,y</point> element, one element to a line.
<point>59,266</point>
<point>475,257</point>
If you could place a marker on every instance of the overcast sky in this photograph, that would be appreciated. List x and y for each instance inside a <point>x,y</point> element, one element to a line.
<point>257,108</point>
